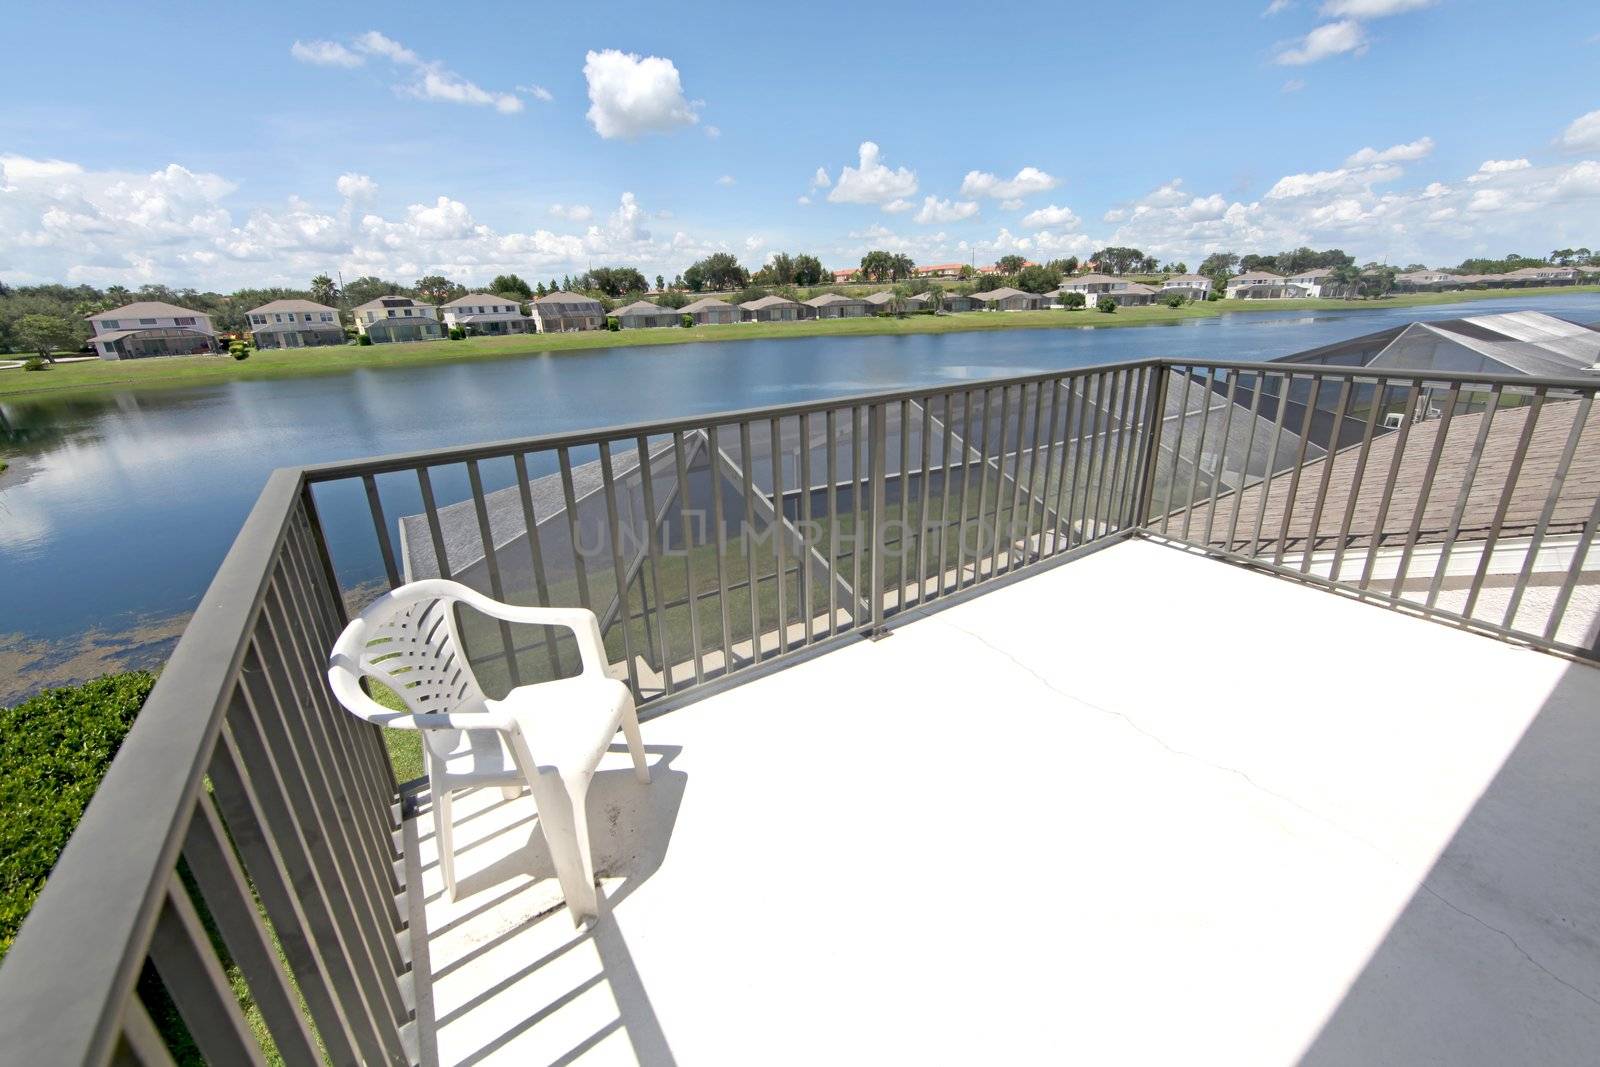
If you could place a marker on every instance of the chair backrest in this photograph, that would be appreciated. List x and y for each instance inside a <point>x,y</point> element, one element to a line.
<point>407,639</point>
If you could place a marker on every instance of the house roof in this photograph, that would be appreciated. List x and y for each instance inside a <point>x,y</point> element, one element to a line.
<point>162,331</point>
<point>1005,292</point>
<point>829,299</point>
<point>147,309</point>
<point>765,302</point>
<point>1135,287</point>
<point>1189,278</point>
<point>1315,272</point>
<point>1545,445</point>
<point>1252,276</point>
<point>1521,342</point>
<point>1090,279</point>
<point>706,303</point>
<point>1529,272</point>
<point>917,298</point>
<point>641,307</point>
<point>393,301</point>
<point>931,267</point>
<point>475,299</point>
<point>289,305</point>
<point>561,296</point>
<point>884,297</point>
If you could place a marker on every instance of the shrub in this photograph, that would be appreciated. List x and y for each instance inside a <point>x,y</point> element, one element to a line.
<point>687,321</point>
<point>34,363</point>
<point>364,339</point>
<point>1106,304</point>
<point>238,350</point>
<point>1174,301</point>
<point>612,324</point>
<point>1213,295</point>
<point>1073,300</point>
<point>457,333</point>
<point>54,748</point>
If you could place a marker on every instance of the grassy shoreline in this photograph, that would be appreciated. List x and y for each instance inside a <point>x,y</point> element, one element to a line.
<point>183,371</point>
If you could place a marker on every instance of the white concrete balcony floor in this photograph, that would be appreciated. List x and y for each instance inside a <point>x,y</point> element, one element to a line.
<point>1141,808</point>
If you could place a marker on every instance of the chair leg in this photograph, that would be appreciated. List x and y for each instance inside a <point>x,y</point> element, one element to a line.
<point>510,792</point>
<point>443,839</point>
<point>565,825</point>
<point>630,730</point>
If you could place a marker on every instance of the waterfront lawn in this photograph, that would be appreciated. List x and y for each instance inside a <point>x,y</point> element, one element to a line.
<point>177,371</point>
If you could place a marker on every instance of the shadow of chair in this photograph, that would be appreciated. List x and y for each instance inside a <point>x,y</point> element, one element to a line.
<point>631,826</point>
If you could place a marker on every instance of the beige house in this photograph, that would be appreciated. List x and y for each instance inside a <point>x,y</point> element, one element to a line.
<point>1193,286</point>
<point>771,309</point>
<point>561,312</point>
<point>1006,298</point>
<point>834,306</point>
<point>957,302</point>
<point>398,318</point>
<point>641,314</point>
<point>884,303</point>
<point>1542,276</point>
<point>709,311</point>
<point>1428,279</point>
<point>151,328</point>
<point>1092,286</point>
<point>1256,285</point>
<point>1133,295</point>
<point>295,324</point>
<point>485,313</point>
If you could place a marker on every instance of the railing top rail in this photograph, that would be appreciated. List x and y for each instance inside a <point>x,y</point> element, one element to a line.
<point>76,959</point>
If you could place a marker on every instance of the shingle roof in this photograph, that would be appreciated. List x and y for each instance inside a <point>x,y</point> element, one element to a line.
<point>393,301</point>
<point>829,299</point>
<point>289,305</point>
<point>705,303</point>
<point>564,297</point>
<point>768,302</point>
<point>1188,278</point>
<point>880,298</point>
<point>147,309</point>
<point>1090,279</point>
<point>1250,276</point>
<point>1005,292</point>
<point>475,299</point>
<point>642,307</point>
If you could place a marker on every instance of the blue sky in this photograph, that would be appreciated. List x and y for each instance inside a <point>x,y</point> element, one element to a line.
<point>263,144</point>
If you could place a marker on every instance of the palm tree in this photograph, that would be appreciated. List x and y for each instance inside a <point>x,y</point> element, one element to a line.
<point>323,291</point>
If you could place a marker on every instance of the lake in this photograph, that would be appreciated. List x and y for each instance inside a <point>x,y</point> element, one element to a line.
<point>118,508</point>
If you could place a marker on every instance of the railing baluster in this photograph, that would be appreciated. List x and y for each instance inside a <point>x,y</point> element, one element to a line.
<point>1208,394</point>
<point>1425,490</point>
<point>983,485</point>
<point>1000,474</point>
<point>1047,517</point>
<point>779,523</point>
<point>381,529</point>
<point>652,537</point>
<point>541,584</point>
<point>1271,464</point>
<point>1513,474</point>
<point>926,482</point>
<point>878,417</point>
<point>194,979</point>
<point>1222,460</point>
<point>1580,421</point>
<point>808,606</point>
<point>1327,474</point>
<point>1468,477</point>
<point>1177,448</point>
<point>1257,383</point>
<point>1380,390</point>
<point>966,478</point>
<point>1307,422</point>
<point>491,562</point>
<point>681,466</point>
<point>858,535</point>
<point>904,482</point>
<point>608,485</point>
<point>832,427</point>
<point>580,570</point>
<point>1402,436</point>
<point>719,521</point>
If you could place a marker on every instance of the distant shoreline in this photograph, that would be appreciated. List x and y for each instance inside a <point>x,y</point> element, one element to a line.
<point>65,380</point>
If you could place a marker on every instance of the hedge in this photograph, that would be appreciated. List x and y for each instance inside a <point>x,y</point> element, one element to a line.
<point>54,748</point>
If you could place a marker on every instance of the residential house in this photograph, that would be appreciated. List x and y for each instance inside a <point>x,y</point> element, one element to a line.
<point>1542,276</point>
<point>1092,286</point>
<point>1428,279</point>
<point>398,318</point>
<point>940,270</point>
<point>1256,285</point>
<point>295,324</point>
<point>884,303</point>
<point>1316,283</point>
<point>1132,295</point>
<point>709,311</point>
<point>843,277</point>
<point>957,302</point>
<point>561,312</point>
<point>1006,298</point>
<point>151,328</point>
<point>834,306</point>
<point>485,313</point>
<point>642,314</point>
<point>916,302</point>
<point>1193,286</point>
<point>772,309</point>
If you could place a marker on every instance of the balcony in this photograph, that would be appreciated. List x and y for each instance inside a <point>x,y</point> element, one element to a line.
<point>1051,717</point>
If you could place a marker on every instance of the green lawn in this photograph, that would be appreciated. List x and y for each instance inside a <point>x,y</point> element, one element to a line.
<point>73,378</point>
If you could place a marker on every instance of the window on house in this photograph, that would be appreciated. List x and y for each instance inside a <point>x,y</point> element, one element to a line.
<point>147,322</point>
<point>259,320</point>
<point>108,324</point>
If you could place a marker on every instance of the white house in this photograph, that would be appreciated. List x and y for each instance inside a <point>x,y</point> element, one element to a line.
<point>295,324</point>
<point>1193,286</point>
<point>1255,285</point>
<point>151,328</point>
<point>1427,279</point>
<point>1092,286</point>
<point>398,318</point>
<point>486,313</point>
<point>1314,283</point>
<point>1542,276</point>
<point>560,311</point>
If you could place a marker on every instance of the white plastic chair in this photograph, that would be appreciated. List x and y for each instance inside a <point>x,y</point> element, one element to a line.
<point>550,735</point>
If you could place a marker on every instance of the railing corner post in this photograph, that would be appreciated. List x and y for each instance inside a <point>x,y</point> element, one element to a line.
<point>877,418</point>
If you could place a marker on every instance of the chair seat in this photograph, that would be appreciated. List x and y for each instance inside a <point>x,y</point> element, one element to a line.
<point>568,723</point>
<point>472,756</point>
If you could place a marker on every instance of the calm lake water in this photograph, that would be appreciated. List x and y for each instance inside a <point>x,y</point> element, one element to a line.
<point>118,509</point>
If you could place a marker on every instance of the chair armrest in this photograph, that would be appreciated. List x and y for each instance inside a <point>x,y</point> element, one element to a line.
<point>346,687</point>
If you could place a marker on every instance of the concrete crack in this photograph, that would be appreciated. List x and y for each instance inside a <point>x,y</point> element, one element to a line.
<point>1422,884</point>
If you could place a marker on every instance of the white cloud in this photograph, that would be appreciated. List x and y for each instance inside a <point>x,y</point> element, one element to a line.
<point>1293,85</point>
<point>937,210</point>
<point>1029,180</point>
<point>1491,167</point>
<point>356,186</point>
<point>753,242</point>
<point>726,179</point>
<point>1400,153</point>
<point>325,54</point>
<point>1330,39</point>
<point>1582,134</point>
<point>1011,205</point>
<point>820,179</point>
<point>572,212</point>
<point>1371,9</point>
<point>899,204</point>
<point>1277,7</point>
<point>631,95</point>
<point>1323,182</point>
<point>871,181</point>
<point>538,92</point>
<point>423,79</point>
<point>713,132</point>
<point>1052,216</point>
<point>803,201</point>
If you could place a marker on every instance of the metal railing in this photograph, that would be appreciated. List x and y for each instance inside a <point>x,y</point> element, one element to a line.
<point>245,836</point>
